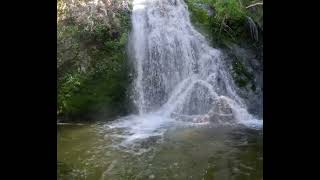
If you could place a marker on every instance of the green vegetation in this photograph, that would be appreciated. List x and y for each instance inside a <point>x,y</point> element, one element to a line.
<point>227,22</point>
<point>241,75</point>
<point>93,73</point>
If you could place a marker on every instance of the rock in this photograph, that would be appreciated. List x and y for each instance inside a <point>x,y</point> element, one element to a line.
<point>221,112</point>
<point>110,167</point>
<point>204,118</point>
<point>115,35</point>
<point>146,143</point>
<point>151,176</point>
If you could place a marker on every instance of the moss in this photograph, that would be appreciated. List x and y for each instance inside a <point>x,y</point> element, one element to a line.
<point>226,26</point>
<point>241,75</point>
<point>92,67</point>
<point>228,22</point>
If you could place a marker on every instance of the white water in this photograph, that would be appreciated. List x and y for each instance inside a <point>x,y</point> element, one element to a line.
<point>177,73</point>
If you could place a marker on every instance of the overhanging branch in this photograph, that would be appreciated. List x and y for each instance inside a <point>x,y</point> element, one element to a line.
<point>256,4</point>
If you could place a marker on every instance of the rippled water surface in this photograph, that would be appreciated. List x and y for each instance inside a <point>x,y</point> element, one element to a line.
<point>103,151</point>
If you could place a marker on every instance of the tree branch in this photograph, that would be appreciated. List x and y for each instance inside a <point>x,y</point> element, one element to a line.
<point>259,3</point>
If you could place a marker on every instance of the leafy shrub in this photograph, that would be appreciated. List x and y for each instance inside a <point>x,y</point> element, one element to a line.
<point>92,64</point>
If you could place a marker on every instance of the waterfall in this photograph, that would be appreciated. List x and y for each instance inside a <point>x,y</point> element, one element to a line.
<point>178,75</point>
<point>176,71</point>
<point>253,28</point>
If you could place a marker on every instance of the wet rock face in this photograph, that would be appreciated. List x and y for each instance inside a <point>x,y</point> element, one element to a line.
<point>254,65</point>
<point>115,35</point>
<point>221,113</point>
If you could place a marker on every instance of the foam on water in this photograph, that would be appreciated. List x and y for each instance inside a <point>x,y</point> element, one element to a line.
<point>137,127</point>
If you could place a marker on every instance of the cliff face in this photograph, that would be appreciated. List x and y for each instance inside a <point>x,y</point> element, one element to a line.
<point>80,22</point>
<point>93,74</point>
<point>89,12</point>
<point>236,27</point>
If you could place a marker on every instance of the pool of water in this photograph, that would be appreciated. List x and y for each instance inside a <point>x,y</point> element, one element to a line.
<point>96,151</point>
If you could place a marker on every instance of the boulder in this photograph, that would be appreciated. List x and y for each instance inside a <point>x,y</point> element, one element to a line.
<point>221,113</point>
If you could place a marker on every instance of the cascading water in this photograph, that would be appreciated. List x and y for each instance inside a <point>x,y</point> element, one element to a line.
<point>184,94</point>
<point>178,76</point>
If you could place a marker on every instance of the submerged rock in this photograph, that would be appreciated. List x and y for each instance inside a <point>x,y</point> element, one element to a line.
<point>144,144</point>
<point>151,176</point>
